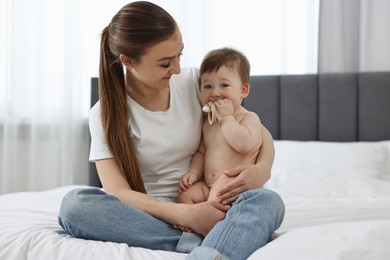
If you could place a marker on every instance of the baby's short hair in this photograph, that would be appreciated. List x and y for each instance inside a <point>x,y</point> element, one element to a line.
<point>229,57</point>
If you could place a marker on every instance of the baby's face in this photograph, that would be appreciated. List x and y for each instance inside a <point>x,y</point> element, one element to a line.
<point>225,83</point>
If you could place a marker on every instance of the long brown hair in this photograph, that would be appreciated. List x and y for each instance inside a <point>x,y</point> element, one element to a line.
<point>136,27</point>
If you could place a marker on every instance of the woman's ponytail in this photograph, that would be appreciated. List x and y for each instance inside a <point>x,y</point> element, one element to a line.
<point>135,28</point>
<point>115,115</point>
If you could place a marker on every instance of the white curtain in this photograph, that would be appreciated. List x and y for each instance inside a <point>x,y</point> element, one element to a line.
<point>42,140</point>
<point>354,36</point>
<point>279,36</point>
<point>50,50</point>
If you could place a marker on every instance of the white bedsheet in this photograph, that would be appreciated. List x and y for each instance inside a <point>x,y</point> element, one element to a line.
<point>329,214</point>
<point>29,230</point>
<point>327,228</point>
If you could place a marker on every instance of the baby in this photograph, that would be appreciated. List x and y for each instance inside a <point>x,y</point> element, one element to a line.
<point>231,135</point>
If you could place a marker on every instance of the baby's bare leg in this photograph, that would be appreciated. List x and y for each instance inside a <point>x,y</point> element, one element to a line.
<point>217,186</point>
<point>196,193</point>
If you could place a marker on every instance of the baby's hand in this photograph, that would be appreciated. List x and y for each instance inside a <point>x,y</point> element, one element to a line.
<point>186,181</point>
<point>224,107</point>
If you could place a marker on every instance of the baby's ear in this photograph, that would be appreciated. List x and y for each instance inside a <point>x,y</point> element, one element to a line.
<point>245,90</point>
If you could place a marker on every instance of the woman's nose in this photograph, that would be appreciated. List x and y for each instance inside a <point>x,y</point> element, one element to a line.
<point>175,66</point>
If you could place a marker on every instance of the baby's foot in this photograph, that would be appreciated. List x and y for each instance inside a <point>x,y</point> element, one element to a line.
<point>184,229</point>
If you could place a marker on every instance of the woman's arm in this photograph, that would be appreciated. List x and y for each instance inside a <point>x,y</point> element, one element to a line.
<point>250,177</point>
<point>187,215</point>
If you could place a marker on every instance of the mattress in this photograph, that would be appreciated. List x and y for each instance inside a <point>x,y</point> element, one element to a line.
<point>337,198</point>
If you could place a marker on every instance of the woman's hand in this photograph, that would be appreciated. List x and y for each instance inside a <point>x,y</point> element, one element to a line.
<point>202,217</point>
<point>247,177</point>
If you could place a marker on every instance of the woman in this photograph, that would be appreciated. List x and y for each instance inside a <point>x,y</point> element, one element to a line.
<point>144,131</point>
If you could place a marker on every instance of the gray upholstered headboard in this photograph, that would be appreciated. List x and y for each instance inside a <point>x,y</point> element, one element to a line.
<point>324,107</point>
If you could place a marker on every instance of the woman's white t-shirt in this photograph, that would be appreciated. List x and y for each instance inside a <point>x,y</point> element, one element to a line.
<point>164,141</point>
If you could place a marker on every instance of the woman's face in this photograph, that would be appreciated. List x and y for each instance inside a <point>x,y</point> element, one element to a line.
<point>160,62</point>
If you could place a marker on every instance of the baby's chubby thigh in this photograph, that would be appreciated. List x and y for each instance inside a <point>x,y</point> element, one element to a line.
<point>218,185</point>
<point>196,193</point>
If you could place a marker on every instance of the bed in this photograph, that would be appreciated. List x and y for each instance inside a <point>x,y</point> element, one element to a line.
<point>332,169</point>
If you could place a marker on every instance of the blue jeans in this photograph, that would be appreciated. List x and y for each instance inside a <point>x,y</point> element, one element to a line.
<point>249,225</point>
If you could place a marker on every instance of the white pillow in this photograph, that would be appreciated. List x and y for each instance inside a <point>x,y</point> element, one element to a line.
<point>327,168</point>
<point>387,161</point>
<point>358,159</point>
